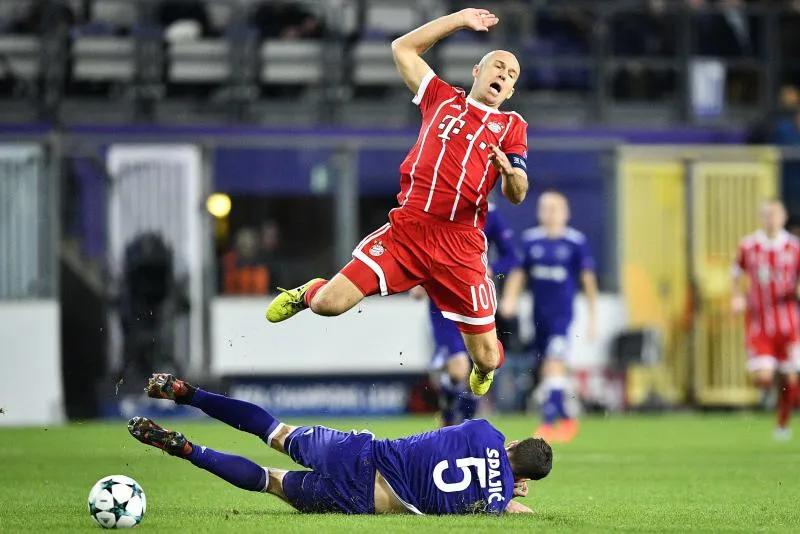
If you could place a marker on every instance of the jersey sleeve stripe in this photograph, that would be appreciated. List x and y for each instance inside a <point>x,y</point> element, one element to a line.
<point>422,87</point>
<point>518,116</point>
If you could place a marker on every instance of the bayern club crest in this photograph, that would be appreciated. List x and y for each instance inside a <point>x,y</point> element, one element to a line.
<point>495,127</point>
<point>377,249</point>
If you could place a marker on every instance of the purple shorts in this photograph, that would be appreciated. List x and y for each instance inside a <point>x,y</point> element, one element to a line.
<point>342,479</point>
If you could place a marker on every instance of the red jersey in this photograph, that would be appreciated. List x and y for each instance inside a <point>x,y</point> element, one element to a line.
<point>772,267</point>
<point>447,173</point>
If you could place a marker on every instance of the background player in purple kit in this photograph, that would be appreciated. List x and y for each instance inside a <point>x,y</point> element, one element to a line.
<point>558,261</point>
<point>456,470</point>
<point>450,358</point>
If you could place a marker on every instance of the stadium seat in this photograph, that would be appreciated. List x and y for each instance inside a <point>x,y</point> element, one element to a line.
<point>291,62</point>
<point>373,64</point>
<point>22,53</point>
<point>205,61</point>
<point>391,19</point>
<point>457,60</point>
<point>103,59</point>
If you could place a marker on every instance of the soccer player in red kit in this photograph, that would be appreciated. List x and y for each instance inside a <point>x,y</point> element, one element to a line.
<point>434,238</point>
<point>769,260</point>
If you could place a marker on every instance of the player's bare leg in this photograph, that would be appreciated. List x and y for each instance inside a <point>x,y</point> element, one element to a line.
<point>557,425</point>
<point>764,380</point>
<point>335,297</point>
<point>487,355</point>
<point>278,441</point>
<point>275,483</point>
<point>323,297</point>
<point>787,396</point>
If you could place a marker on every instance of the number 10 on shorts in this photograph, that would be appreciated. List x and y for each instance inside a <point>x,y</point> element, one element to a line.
<point>479,292</point>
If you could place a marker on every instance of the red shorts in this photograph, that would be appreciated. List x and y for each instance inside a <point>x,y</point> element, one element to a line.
<point>449,260</point>
<point>773,352</point>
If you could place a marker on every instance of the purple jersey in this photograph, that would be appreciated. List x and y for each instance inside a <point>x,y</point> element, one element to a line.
<point>554,267</point>
<point>453,470</point>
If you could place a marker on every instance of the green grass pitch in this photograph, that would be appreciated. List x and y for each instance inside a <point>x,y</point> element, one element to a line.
<point>676,473</point>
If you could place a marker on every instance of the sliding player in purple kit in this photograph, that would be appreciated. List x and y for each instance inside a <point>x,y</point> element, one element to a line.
<point>558,261</point>
<point>463,469</point>
<point>450,357</point>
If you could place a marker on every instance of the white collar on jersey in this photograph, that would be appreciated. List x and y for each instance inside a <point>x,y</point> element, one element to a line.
<point>483,107</point>
<point>776,242</point>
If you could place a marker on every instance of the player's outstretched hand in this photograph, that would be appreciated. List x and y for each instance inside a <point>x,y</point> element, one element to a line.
<point>507,308</point>
<point>479,20</point>
<point>500,160</point>
<point>520,488</point>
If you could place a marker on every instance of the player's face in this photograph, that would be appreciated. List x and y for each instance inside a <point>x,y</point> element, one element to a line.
<point>773,216</point>
<point>553,211</point>
<point>495,77</point>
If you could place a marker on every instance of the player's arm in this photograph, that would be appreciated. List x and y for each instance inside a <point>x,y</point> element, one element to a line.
<point>589,281</point>
<point>511,160</point>
<point>508,263</point>
<point>515,284</point>
<point>408,49</point>
<point>517,508</point>
<point>514,178</point>
<point>797,288</point>
<point>738,299</point>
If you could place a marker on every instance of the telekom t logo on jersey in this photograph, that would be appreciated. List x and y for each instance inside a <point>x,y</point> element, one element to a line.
<point>495,481</point>
<point>450,124</point>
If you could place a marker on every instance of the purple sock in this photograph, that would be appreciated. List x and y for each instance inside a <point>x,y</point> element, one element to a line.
<point>236,413</point>
<point>236,470</point>
<point>553,407</point>
<point>448,401</point>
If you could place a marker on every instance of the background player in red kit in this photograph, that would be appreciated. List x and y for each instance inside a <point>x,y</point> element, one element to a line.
<point>769,260</point>
<point>435,238</point>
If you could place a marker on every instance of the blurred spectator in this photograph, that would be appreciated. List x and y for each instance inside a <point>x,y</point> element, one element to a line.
<point>567,25</point>
<point>43,17</point>
<point>786,133</point>
<point>151,299</point>
<point>184,19</point>
<point>244,270</point>
<point>730,32</point>
<point>788,105</point>
<point>789,42</point>
<point>636,34</point>
<point>271,253</point>
<point>286,20</point>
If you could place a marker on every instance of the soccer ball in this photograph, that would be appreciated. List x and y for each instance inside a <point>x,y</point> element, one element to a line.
<point>117,501</point>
